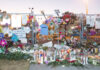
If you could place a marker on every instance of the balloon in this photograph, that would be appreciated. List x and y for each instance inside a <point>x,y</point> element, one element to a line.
<point>51,23</point>
<point>36,24</point>
<point>39,30</point>
<point>49,20</point>
<point>28,21</point>
<point>40,55</point>
<point>14,38</point>
<point>46,21</point>
<point>92,32</point>
<point>30,17</point>
<point>59,20</point>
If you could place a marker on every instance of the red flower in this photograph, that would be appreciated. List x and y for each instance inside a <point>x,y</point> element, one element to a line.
<point>72,61</point>
<point>58,60</point>
<point>67,58</point>
<point>66,16</point>
<point>60,32</point>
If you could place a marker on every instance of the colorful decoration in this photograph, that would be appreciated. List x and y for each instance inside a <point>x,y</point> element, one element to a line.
<point>66,18</point>
<point>36,24</point>
<point>1,35</point>
<point>1,17</point>
<point>3,43</point>
<point>92,32</point>
<point>14,38</point>
<point>1,29</point>
<point>24,19</point>
<point>44,29</point>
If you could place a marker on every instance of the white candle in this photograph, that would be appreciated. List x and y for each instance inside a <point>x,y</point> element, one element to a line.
<point>34,56</point>
<point>45,58</point>
<point>41,60</point>
<point>51,58</point>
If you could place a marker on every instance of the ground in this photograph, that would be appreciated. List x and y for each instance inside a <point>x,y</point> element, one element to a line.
<point>14,65</point>
<point>45,67</point>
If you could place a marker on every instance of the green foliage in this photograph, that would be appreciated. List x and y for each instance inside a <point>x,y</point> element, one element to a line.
<point>77,64</point>
<point>15,56</point>
<point>45,48</point>
<point>54,64</point>
<point>65,62</point>
<point>90,61</point>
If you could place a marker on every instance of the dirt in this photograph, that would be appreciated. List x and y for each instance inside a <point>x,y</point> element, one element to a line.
<point>14,65</point>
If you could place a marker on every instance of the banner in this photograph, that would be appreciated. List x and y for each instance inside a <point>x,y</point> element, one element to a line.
<point>6,21</point>
<point>90,20</point>
<point>44,29</point>
<point>24,19</point>
<point>97,23</point>
<point>16,21</point>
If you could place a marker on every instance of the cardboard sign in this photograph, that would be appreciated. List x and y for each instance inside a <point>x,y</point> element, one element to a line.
<point>1,35</point>
<point>23,40</point>
<point>44,29</point>
<point>97,24</point>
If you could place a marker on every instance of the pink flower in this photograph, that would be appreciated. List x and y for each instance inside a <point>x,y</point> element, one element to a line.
<point>3,42</point>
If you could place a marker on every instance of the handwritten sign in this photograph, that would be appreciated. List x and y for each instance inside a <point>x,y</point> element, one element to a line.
<point>1,35</point>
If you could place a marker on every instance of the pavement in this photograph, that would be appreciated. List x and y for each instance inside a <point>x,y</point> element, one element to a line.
<point>46,67</point>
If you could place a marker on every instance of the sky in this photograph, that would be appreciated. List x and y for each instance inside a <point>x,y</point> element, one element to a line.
<point>48,6</point>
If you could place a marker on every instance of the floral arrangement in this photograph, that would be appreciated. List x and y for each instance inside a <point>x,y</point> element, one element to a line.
<point>3,43</point>
<point>65,63</point>
<point>15,56</point>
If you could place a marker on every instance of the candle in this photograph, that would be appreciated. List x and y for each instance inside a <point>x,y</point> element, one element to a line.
<point>45,58</point>
<point>51,58</point>
<point>41,60</point>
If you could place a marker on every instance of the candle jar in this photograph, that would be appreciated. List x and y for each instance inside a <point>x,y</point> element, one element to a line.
<point>94,62</point>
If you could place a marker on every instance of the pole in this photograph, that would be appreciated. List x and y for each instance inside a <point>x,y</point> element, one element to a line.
<point>57,12</point>
<point>86,6</point>
<point>32,27</point>
<point>82,29</point>
<point>43,14</point>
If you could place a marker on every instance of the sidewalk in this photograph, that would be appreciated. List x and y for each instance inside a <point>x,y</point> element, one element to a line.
<point>45,67</point>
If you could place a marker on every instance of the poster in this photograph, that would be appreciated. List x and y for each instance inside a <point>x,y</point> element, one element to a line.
<point>24,19</point>
<point>20,33</point>
<point>90,20</point>
<point>8,31</point>
<point>97,22</point>
<point>16,21</point>
<point>23,40</point>
<point>6,21</point>
<point>44,29</point>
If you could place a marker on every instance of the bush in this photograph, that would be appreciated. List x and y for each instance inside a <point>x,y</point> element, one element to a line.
<point>15,56</point>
